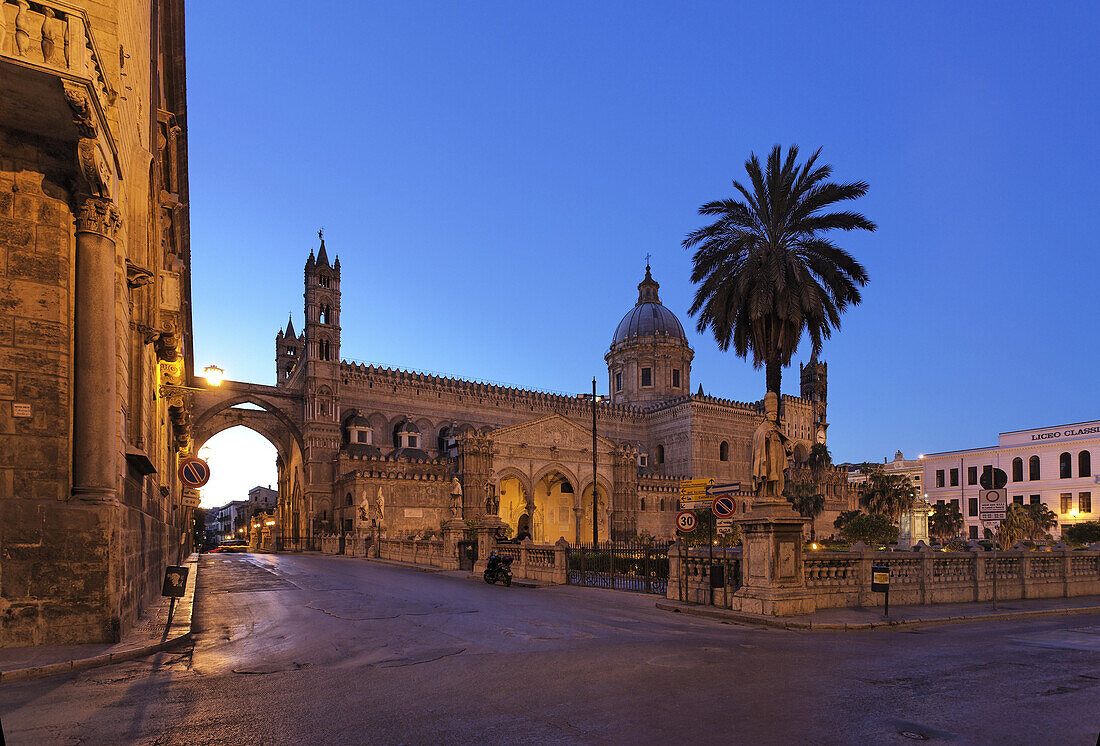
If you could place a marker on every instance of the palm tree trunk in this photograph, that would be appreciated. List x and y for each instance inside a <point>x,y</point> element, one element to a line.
<point>773,376</point>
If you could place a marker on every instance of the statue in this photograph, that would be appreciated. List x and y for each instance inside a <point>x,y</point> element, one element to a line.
<point>381,503</point>
<point>456,497</point>
<point>492,501</point>
<point>364,509</point>
<point>769,452</point>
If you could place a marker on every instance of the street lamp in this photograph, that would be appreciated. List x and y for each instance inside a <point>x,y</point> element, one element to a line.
<point>213,375</point>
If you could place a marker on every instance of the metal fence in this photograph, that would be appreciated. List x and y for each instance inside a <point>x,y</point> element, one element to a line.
<point>622,565</point>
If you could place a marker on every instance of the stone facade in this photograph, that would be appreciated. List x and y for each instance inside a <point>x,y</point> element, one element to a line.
<point>95,296</point>
<point>348,433</point>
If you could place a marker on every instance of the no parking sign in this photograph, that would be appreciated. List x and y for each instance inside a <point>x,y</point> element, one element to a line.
<point>194,472</point>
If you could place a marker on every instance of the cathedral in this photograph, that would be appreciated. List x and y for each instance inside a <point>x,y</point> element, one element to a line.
<point>377,448</point>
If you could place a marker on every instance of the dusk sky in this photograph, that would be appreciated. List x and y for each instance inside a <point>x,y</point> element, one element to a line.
<point>492,176</point>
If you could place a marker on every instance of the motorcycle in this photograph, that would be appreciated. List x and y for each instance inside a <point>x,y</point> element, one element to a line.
<point>498,568</point>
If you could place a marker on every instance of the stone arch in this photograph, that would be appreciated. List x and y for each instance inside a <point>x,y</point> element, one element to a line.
<point>511,472</point>
<point>550,468</point>
<point>604,488</point>
<point>205,426</point>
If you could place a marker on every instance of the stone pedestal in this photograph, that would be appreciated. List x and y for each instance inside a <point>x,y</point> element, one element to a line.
<point>771,557</point>
<point>453,532</point>
<point>486,539</point>
<point>913,524</point>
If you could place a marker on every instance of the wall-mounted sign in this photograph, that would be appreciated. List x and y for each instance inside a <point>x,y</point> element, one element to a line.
<point>20,409</point>
<point>194,472</point>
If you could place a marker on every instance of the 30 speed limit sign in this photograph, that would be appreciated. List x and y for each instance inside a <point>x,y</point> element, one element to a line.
<point>686,522</point>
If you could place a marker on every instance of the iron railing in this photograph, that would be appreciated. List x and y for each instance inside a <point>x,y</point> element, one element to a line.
<point>621,565</point>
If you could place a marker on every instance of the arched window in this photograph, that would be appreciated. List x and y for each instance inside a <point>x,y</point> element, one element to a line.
<point>1084,464</point>
<point>1065,466</point>
<point>643,503</point>
<point>660,454</point>
<point>1033,468</point>
<point>445,440</point>
<point>1017,470</point>
<point>724,451</point>
<point>662,504</point>
<point>347,499</point>
<point>325,314</point>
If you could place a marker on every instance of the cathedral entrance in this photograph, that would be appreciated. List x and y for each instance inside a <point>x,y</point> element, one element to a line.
<point>554,501</point>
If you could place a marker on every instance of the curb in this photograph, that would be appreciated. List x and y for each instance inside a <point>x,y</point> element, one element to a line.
<point>779,623</point>
<point>104,659</point>
<point>395,563</point>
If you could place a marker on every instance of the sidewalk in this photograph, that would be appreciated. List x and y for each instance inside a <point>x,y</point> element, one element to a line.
<point>871,617</point>
<point>147,637</point>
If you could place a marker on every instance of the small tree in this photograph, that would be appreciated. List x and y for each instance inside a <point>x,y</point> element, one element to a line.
<point>809,503</point>
<point>946,521</point>
<point>819,460</point>
<point>870,529</point>
<point>1082,533</point>
<point>843,519</point>
<point>1016,526</point>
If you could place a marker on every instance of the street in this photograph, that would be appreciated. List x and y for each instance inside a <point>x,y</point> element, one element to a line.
<point>331,650</point>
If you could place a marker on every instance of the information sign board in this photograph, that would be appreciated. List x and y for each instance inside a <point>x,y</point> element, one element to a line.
<point>693,502</point>
<point>724,526</point>
<point>992,505</point>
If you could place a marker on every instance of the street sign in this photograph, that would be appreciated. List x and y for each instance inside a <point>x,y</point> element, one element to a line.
<point>992,505</point>
<point>693,502</point>
<point>880,578</point>
<point>190,500</point>
<point>723,507</point>
<point>175,581</point>
<point>725,526</point>
<point>993,479</point>
<point>694,492</point>
<point>724,489</point>
<point>686,522</point>
<point>194,472</point>
<point>696,482</point>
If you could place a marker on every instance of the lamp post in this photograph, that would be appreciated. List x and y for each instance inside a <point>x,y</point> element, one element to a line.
<point>595,491</point>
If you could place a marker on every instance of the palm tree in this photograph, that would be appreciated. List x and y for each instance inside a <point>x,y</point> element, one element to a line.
<point>819,459</point>
<point>946,521</point>
<point>1016,526</point>
<point>809,503</point>
<point>765,270</point>
<point>1043,520</point>
<point>887,494</point>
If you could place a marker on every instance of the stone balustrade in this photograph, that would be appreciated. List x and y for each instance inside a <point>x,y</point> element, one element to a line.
<point>922,576</point>
<point>542,562</point>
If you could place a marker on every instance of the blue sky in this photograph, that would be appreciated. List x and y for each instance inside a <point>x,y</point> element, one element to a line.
<point>492,176</point>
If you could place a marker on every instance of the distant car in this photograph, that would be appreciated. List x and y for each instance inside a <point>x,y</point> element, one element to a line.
<point>232,546</point>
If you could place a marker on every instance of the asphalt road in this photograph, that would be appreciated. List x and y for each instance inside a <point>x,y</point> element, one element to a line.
<point>295,649</point>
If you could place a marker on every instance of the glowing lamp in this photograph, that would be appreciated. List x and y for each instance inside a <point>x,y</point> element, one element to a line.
<point>213,375</point>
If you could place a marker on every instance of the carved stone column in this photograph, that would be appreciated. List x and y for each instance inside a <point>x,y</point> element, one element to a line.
<point>625,495</point>
<point>475,465</point>
<point>95,401</point>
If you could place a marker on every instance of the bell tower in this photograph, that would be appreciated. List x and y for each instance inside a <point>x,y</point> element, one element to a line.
<point>815,389</point>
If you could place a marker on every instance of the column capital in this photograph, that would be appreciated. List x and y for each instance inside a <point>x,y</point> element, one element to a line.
<point>98,215</point>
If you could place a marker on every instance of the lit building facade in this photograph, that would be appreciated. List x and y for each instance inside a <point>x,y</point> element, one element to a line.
<point>1048,465</point>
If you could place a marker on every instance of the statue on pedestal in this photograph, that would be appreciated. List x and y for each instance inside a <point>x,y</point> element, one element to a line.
<point>456,497</point>
<point>770,448</point>
<point>492,500</point>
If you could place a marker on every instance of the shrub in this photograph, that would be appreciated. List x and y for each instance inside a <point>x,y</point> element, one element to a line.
<point>870,529</point>
<point>1082,533</point>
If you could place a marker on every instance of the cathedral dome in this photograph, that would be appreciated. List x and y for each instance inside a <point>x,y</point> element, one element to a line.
<point>649,317</point>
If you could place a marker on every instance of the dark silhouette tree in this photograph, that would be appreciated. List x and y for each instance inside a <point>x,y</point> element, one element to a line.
<point>765,270</point>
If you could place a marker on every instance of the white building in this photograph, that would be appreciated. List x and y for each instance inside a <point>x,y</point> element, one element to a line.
<point>1049,465</point>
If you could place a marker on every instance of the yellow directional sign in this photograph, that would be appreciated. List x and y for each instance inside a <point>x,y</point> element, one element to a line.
<point>691,503</point>
<point>686,491</point>
<point>696,482</point>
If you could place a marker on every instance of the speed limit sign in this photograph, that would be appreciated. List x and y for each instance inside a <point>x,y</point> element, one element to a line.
<point>686,522</point>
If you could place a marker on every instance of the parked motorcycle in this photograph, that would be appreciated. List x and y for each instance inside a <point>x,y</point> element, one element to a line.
<point>498,568</point>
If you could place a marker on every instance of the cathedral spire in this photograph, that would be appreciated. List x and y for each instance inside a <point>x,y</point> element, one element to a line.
<point>290,328</point>
<point>322,255</point>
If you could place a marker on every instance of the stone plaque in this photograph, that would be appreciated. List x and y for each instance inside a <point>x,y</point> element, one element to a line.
<point>786,559</point>
<point>20,409</point>
<point>414,512</point>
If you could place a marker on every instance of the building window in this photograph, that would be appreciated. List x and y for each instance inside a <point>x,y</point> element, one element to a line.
<point>647,376</point>
<point>955,502</point>
<point>323,279</point>
<point>939,477</point>
<point>971,475</point>
<point>675,378</point>
<point>1033,468</point>
<point>1036,500</point>
<point>724,451</point>
<point>660,454</point>
<point>1084,502</point>
<point>642,503</point>
<point>954,477</point>
<point>1065,501</point>
<point>347,499</point>
<point>619,381</point>
<point>1084,464</point>
<point>941,502</point>
<point>1065,466</point>
<point>362,436</point>
<point>974,532</point>
<point>661,506</point>
<point>1018,499</point>
<point>643,459</point>
<point>972,506</point>
<point>1017,470</point>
